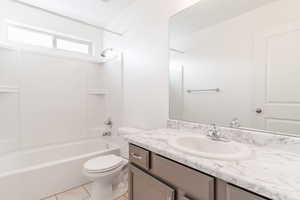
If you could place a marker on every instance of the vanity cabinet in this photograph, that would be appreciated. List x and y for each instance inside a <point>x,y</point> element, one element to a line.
<point>142,186</point>
<point>154,177</point>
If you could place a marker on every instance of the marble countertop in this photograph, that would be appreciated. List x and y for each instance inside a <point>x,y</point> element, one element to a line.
<point>270,172</point>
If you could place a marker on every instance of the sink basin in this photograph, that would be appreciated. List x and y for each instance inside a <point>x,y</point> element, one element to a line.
<point>205,147</point>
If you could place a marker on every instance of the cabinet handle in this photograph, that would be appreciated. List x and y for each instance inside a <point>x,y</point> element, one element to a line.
<point>259,110</point>
<point>186,198</point>
<point>136,156</point>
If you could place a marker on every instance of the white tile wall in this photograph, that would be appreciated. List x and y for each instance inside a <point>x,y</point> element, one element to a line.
<point>52,99</point>
<point>9,106</point>
<point>53,104</point>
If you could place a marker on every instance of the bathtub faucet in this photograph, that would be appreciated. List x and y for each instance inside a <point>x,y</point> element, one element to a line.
<point>108,122</point>
<point>106,133</point>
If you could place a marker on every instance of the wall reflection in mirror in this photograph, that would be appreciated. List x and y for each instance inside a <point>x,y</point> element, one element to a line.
<point>237,63</point>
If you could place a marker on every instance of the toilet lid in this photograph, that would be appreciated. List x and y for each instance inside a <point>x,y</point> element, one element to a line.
<point>103,163</point>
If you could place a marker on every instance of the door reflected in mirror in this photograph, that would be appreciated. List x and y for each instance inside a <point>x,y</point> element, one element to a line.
<point>237,64</point>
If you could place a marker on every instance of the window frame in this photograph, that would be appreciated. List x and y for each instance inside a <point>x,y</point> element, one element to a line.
<point>55,37</point>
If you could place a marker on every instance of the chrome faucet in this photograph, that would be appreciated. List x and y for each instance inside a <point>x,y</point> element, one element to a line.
<point>108,122</point>
<point>235,123</point>
<point>215,134</point>
<point>108,127</point>
<point>107,133</point>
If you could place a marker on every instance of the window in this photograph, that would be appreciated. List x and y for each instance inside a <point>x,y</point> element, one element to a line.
<point>75,46</point>
<point>29,36</point>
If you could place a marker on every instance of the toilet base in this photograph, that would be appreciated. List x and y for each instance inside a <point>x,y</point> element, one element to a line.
<point>102,182</point>
<point>102,190</point>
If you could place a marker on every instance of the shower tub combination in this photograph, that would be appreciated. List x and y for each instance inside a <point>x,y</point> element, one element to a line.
<point>38,173</point>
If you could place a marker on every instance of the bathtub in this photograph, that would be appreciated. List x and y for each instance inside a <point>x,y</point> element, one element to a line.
<point>38,173</point>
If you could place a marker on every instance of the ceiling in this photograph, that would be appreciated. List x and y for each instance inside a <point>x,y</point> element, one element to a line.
<point>97,12</point>
<point>206,13</point>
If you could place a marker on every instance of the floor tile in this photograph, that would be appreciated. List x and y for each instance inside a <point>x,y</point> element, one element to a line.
<point>88,188</point>
<point>74,194</point>
<point>50,198</point>
<point>122,198</point>
<point>125,196</point>
<point>79,193</point>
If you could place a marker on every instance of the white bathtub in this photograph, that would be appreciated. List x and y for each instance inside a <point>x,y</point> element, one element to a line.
<point>38,173</point>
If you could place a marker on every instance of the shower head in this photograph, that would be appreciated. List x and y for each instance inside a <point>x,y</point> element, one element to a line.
<point>108,53</point>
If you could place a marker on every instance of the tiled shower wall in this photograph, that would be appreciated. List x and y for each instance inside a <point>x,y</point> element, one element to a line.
<point>47,100</point>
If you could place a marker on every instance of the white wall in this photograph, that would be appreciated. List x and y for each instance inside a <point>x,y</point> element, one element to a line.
<point>52,104</point>
<point>221,56</point>
<point>146,64</point>
<point>12,11</point>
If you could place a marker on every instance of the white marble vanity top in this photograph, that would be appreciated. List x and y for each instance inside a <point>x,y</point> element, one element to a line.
<point>270,172</point>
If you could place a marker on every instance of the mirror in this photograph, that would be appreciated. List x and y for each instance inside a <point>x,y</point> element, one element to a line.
<point>237,64</point>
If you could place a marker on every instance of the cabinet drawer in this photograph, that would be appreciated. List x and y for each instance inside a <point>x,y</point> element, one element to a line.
<point>189,184</point>
<point>139,156</point>
<point>145,187</point>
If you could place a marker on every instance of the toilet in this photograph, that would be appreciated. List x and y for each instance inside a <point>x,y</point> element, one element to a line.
<point>103,170</point>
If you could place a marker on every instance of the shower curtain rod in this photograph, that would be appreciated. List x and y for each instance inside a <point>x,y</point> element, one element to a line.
<point>67,17</point>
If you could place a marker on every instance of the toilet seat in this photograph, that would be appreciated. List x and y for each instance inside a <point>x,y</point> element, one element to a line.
<point>103,164</point>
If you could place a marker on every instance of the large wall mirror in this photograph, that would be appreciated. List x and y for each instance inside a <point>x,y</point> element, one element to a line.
<point>236,63</point>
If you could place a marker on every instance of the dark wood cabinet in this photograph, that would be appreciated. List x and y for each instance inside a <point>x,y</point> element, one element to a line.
<point>225,191</point>
<point>154,177</point>
<point>139,156</point>
<point>189,183</point>
<point>235,193</point>
<point>142,186</point>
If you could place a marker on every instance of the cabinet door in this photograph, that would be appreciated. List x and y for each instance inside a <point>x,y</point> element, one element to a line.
<point>145,187</point>
<point>234,193</point>
<point>189,183</point>
<point>226,191</point>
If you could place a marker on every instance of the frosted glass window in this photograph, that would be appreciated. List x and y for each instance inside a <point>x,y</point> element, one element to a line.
<point>26,36</point>
<point>73,46</point>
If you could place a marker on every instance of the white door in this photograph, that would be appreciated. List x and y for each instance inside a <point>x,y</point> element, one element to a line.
<point>277,85</point>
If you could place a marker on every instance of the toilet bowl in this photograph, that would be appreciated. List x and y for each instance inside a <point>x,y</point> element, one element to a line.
<point>103,171</point>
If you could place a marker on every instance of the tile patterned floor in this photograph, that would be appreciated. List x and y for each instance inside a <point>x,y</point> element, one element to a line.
<point>80,193</point>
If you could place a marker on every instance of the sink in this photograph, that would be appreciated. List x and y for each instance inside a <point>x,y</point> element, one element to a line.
<point>203,146</point>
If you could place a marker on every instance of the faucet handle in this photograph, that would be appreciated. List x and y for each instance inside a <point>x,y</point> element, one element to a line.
<point>214,132</point>
<point>212,129</point>
<point>235,123</point>
<point>214,125</point>
<point>107,133</point>
<point>108,121</point>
